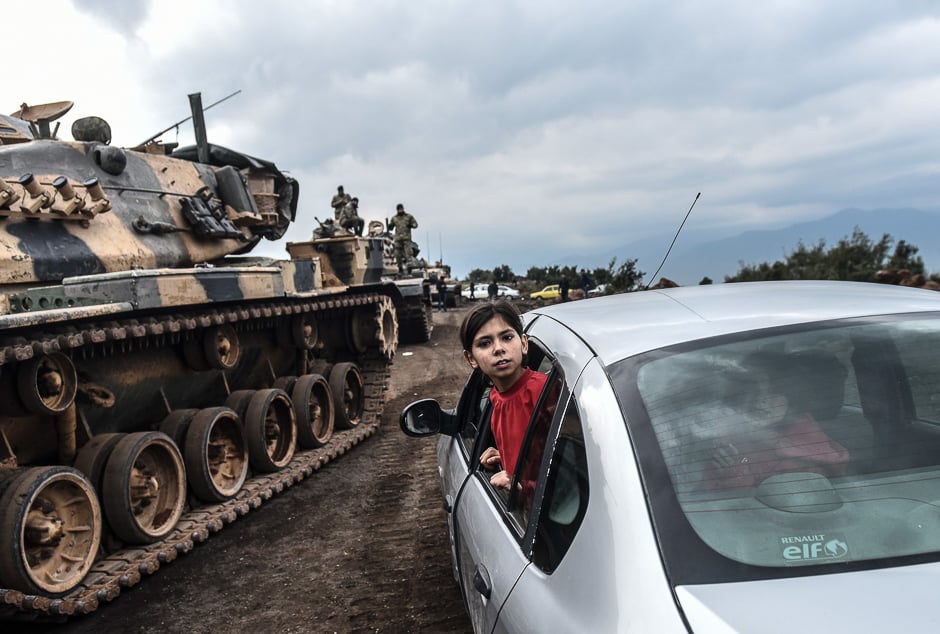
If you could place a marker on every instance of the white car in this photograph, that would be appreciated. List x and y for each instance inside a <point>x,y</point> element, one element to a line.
<point>751,457</point>
<point>480,291</point>
<point>600,289</point>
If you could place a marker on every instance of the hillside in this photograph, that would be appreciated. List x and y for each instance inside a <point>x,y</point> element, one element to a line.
<point>691,260</point>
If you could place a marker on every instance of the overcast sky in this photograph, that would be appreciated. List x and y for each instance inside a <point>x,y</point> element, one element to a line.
<point>519,132</point>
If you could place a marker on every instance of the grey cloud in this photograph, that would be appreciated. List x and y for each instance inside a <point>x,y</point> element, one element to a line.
<point>122,15</point>
<point>532,113</point>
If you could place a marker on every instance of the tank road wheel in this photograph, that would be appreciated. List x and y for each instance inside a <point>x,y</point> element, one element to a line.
<point>362,329</point>
<point>93,457</point>
<point>144,487</point>
<point>285,383</point>
<point>270,430</point>
<point>319,366</point>
<point>215,454</point>
<point>348,395</point>
<point>305,332</point>
<point>51,523</point>
<point>300,332</point>
<point>238,401</point>
<point>47,383</point>
<point>375,324</point>
<point>313,404</point>
<point>176,424</point>
<point>221,347</point>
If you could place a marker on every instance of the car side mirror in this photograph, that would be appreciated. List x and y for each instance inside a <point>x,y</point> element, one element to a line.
<point>425,418</point>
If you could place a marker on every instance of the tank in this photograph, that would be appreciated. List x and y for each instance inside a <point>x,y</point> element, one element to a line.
<point>157,382</point>
<point>414,309</point>
<point>451,285</point>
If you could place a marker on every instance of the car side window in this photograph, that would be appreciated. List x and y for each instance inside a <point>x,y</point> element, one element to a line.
<point>533,448</point>
<point>533,442</point>
<point>565,498</point>
<point>473,411</point>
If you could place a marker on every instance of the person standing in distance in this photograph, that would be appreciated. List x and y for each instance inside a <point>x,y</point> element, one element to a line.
<point>441,287</point>
<point>402,223</point>
<point>340,200</point>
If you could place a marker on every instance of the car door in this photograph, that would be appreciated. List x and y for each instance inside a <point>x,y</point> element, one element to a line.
<point>489,534</point>
<point>454,452</point>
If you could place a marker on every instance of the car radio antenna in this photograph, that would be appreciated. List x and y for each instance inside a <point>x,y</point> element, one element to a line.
<point>682,224</point>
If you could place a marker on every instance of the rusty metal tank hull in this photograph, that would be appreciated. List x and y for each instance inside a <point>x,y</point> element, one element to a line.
<point>156,382</point>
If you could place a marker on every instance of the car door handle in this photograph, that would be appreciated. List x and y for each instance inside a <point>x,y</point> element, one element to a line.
<point>481,581</point>
<point>448,503</point>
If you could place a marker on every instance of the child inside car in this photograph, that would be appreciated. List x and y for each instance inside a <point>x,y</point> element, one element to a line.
<point>493,342</point>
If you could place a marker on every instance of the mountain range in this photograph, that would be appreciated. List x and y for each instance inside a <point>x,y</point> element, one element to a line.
<point>694,257</point>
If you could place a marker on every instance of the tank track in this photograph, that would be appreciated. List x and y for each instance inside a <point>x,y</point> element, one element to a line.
<point>415,323</point>
<point>125,568</point>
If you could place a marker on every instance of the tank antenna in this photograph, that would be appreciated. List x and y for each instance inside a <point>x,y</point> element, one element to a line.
<point>181,121</point>
<point>682,224</point>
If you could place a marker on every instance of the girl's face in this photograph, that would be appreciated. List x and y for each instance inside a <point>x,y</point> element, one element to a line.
<point>497,350</point>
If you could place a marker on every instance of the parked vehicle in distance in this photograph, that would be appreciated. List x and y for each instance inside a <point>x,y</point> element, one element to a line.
<point>698,453</point>
<point>480,292</point>
<point>600,289</point>
<point>552,291</point>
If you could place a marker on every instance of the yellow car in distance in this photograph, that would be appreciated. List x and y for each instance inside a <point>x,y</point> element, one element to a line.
<point>552,291</point>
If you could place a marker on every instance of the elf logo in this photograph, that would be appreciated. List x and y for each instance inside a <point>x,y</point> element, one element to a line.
<point>813,547</point>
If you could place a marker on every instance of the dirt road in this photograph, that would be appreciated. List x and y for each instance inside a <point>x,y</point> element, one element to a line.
<point>361,546</point>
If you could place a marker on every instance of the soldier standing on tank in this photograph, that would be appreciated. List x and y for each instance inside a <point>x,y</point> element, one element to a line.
<point>402,223</point>
<point>340,200</point>
<point>349,217</point>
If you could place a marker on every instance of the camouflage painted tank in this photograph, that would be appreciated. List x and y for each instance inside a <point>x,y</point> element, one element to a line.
<point>156,383</point>
<point>452,286</point>
<point>415,316</point>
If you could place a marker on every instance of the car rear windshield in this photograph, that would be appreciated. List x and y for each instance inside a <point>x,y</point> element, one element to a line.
<point>792,451</point>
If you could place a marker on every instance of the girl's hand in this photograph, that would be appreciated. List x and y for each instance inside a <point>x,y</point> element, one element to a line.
<point>501,480</point>
<point>490,458</point>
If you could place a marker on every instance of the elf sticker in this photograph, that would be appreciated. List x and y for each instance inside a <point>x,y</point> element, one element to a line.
<point>814,547</point>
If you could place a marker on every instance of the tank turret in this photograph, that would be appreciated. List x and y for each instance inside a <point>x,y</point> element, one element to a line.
<point>87,208</point>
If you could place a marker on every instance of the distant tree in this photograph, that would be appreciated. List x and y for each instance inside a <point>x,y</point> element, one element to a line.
<point>536,274</point>
<point>625,277</point>
<point>905,257</point>
<point>705,281</point>
<point>539,276</point>
<point>479,275</point>
<point>857,258</point>
<point>503,273</point>
<point>601,275</point>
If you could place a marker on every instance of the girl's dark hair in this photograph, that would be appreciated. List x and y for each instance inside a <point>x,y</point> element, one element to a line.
<point>482,313</point>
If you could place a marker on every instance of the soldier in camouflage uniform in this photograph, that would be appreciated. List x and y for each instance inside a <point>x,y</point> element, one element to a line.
<point>349,217</point>
<point>339,201</point>
<point>402,222</point>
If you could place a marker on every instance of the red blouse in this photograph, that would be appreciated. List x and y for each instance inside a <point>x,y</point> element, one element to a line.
<point>512,410</point>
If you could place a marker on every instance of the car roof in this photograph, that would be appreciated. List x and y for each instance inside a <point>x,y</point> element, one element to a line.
<point>619,326</point>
